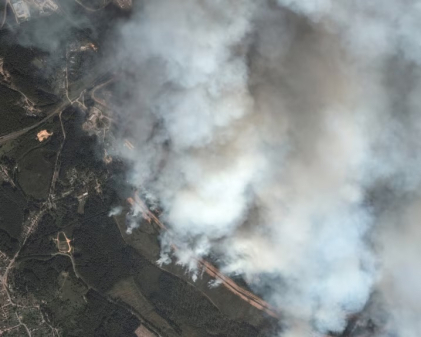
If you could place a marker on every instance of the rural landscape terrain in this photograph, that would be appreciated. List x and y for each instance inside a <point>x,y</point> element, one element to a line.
<point>70,264</point>
<point>68,267</point>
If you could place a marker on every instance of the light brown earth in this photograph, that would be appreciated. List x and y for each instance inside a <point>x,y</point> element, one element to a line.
<point>43,135</point>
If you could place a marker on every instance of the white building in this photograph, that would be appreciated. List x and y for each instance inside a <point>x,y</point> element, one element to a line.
<point>21,10</point>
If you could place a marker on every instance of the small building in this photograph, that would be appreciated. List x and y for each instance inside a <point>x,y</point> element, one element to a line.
<point>21,10</point>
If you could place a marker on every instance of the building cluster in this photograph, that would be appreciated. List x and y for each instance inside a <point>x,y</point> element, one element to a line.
<point>46,6</point>
<point>24,9</point>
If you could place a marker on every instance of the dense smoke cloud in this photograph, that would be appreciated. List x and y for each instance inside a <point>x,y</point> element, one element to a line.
<point>282,139</point>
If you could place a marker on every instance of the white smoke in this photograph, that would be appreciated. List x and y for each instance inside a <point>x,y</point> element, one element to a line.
<point>269,131</point>
<point>401,275</point>
<point>115,211</point>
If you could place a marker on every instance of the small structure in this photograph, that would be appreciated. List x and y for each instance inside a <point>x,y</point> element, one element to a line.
<point>88,46</point>
<point>43,135</point>
<point>45,7</point>
<point>129,145</point>
<point>4,74</point>
<point>142,331</point>
<point>124,4</point>
<point>21,10</point>
<point>82,200</point>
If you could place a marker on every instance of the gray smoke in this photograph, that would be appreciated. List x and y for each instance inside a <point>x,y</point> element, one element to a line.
<point>282,138</point>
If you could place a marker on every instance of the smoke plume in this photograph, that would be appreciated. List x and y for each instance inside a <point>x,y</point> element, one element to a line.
<point>281,139</point>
